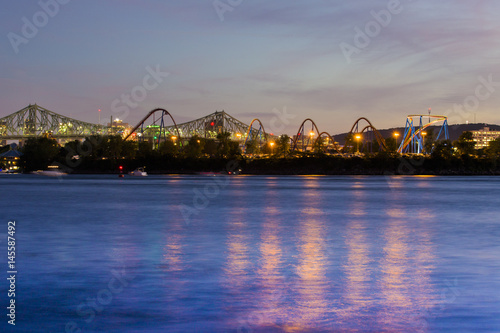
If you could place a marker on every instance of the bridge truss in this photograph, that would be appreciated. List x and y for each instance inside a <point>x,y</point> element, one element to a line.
<point>34,121</point>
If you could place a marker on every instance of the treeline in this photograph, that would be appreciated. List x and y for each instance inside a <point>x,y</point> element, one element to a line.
<point>104,154</point>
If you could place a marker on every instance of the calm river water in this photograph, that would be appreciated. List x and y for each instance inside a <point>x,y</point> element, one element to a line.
<point>253,254</point>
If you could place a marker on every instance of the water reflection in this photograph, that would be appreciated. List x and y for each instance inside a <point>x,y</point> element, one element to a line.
<point>238,265</point>
<point>287,280</point>
<point>405,283</point>
<point>272,282</point>
<point>357,298</point>
<point>173,267</point>
<point>395,281</point>
<point>311,287</point>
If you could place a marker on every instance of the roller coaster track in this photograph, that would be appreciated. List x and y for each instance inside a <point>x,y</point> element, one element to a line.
<point>335,146</point>
<point>300,134</point>
<point>413,138</point>
<point>162,130</point>
<point>380,139</point>
<point>210,126</point>
<point>261,133</point>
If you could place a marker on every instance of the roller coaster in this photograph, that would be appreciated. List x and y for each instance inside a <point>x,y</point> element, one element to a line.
<point>372,133</point>
<point>206,127</point>
<point>159,125</point>
<point>414,136</point>
<point>330,142</point>
<point>253,134</point>
<point>157,130</point>
<point>304,140</point>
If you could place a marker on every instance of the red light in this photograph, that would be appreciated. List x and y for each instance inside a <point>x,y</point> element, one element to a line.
<point>212,123</point>
<point>99,110</point>
<point>121,168</point>
<point>272,134</point>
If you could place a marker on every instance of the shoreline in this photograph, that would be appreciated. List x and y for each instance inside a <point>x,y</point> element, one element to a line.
<point>375,165</point>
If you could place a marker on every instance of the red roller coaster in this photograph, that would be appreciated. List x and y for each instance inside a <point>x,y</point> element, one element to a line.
<point>305,138</point>
<point>370,129</point>
<point>154,130</point>
<point>332,140</point>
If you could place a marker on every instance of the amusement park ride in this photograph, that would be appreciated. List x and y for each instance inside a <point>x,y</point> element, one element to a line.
<point>35,121</point>
<point>414,135</point>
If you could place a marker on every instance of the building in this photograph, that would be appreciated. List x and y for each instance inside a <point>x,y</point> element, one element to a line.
<point>483,137</point>
<point>10,161</point>
<point>119,127</point>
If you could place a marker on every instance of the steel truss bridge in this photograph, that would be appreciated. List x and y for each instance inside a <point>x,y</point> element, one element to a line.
<point>34,121</point>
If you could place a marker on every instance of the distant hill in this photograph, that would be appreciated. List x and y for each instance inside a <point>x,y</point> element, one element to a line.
<point>453,130</point>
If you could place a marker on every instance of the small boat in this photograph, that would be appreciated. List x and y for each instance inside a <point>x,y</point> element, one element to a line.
<point>51,172</point>
<point>139,172</point>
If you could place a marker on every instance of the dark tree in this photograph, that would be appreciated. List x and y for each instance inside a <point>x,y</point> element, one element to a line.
<point>39,153</point>
<point>465,144</point>
<point>283,145</point>
<point>252,147</point>
<point>195,147</point>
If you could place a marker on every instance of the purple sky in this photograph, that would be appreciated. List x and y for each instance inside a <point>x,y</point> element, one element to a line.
<point>263,56</point>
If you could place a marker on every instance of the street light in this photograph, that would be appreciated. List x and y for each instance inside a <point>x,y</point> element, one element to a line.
<point>358,137</point>
<point>271,144</point>
<point>238,135</point>
<point>396,134</point>
<point>423,141</point>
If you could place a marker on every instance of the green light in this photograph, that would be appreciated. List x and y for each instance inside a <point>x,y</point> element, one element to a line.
<point>155,137</point>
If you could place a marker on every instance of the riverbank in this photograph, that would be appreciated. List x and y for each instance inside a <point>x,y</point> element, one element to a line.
<point>308,165</point>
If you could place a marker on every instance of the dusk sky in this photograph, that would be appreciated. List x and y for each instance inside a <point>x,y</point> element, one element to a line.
<point>251,57</point>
